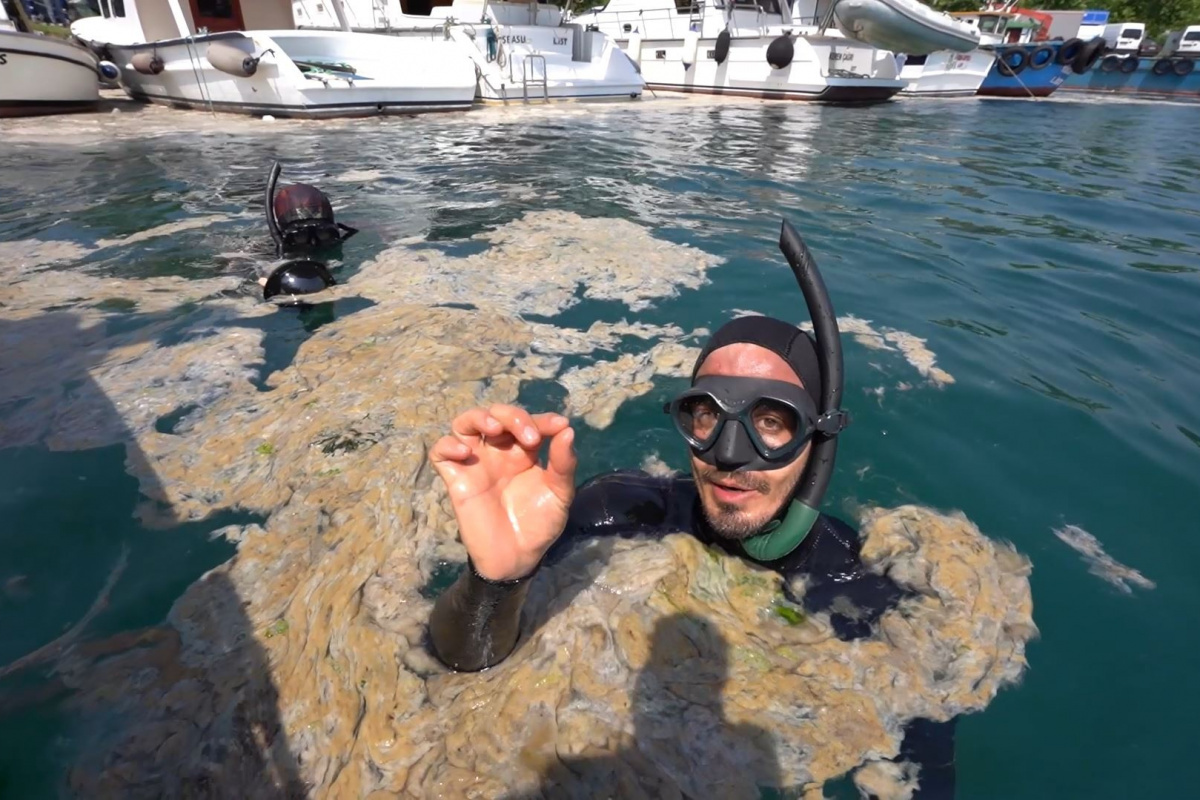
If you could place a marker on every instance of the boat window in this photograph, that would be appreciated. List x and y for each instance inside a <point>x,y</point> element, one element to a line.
<point>1193,36</point>
<point>1131,33</point>
<point>220,9</point>
<point>988,24</point>
<point>769,6</point>
<point>686,6</point>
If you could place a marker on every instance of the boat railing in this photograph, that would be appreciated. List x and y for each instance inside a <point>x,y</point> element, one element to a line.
<point>682,17</point>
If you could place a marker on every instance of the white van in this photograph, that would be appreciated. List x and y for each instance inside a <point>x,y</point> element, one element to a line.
<point>1124,37</point>
<point>1183,43</point>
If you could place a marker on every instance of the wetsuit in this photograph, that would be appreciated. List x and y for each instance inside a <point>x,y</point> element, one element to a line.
<point>476,622</point>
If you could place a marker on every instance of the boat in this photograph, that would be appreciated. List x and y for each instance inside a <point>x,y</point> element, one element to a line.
<point>521,51</point>
<point>946,73</point>
<point>1171,75</point>
<point>939,55</point>
<point>248,57</point>
<point>903,26</point>
<point>41,74</point>
<point>1027,64</point>
<point>748,48</point>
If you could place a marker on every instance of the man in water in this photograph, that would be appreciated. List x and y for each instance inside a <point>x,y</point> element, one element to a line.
<point>761,454</point>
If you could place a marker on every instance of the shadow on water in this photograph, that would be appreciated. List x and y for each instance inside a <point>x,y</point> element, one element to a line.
<point>82,579</point>
<point>678,719</point>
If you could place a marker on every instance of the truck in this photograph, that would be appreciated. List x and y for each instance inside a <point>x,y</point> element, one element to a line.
<point>1183,43</point>
<point>1086,25</point>
<point>1124,37</point>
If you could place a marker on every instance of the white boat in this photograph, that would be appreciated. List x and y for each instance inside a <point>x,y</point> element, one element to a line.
<point>41,74</point>
<point>946,74</point>
<point>753,48</point>
<point>903,26</point>
<point>522,51</point>
<point>248,57</point>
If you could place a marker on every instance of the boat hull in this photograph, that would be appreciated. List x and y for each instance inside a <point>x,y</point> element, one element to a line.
<point>1142,82</point>
<point>1028,82</point>
<point>946,74</point>
<point>823,69</point>
<point>535,63</point>
<point>418,77</point>
<point>42,75</point>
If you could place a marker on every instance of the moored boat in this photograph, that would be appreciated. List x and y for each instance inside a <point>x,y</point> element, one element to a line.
<point>1166,77</point>
<point>42,74</point>
<point>522,51</point>
<point>1026,63</point>
<point>248,57</point>
<point>749,48</point>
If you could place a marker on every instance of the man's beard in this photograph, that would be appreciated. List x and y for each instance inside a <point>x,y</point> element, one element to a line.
<point>728,520</point>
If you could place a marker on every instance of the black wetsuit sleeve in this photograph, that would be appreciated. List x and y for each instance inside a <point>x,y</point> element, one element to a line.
<point>476,622</point>
<point>931,746</point>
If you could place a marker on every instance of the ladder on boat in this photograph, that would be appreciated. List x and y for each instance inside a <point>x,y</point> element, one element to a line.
<point>379,14</point>
<point>529,76</point>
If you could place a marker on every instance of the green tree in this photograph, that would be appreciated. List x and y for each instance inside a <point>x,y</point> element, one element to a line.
<point>1160,16</point>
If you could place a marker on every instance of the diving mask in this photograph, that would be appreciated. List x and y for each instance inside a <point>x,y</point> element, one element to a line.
<point>737,423</point>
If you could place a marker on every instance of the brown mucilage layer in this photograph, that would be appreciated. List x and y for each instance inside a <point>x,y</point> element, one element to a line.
<point>656,669</point>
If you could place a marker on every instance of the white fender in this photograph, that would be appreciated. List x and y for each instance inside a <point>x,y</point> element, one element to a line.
<point>633,48</point>
<point>691,44</point>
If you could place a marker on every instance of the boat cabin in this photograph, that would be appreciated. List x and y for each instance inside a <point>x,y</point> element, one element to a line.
<point>135,21</point>
<point>375,15</point>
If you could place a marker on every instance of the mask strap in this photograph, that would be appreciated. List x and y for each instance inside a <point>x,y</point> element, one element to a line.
<point>782,536</point>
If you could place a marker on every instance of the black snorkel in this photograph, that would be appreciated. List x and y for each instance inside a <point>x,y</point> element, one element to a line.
<point>272,222</point>
<point>785,534</point>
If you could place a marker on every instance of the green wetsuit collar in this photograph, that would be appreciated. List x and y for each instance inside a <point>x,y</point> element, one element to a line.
<point>782,536</point>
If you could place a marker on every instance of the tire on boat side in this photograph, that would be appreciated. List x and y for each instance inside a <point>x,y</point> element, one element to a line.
<point>1129,64</point>
<point>721,51</point>
<point>1007,67</point>
<point>1183,66</point>
<point>1042,57</point>
<point>781,52</point>
<point>1089,54</point>
<point>1068,51</point>
<point>1162,66</point>
<point>1110,63</point>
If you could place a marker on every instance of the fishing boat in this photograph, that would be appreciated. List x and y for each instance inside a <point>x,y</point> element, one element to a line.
<point>522,51</point>
<point>1027,63</point>
<point>42,74</point>
<point>750,48</point>
<point>1169,75</point>
<point>248,57</point>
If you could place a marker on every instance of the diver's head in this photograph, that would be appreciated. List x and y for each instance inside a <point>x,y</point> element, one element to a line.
<point>748,419</point>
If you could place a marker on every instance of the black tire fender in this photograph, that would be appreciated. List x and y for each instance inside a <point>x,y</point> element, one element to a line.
<point>1041,57</point>
<point>721,51</point>
<point>1007,66</point>
<point>1089,54</point>
<point>1068,51</point>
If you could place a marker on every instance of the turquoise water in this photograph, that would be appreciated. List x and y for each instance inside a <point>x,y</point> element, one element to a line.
<point>1048,252</point>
